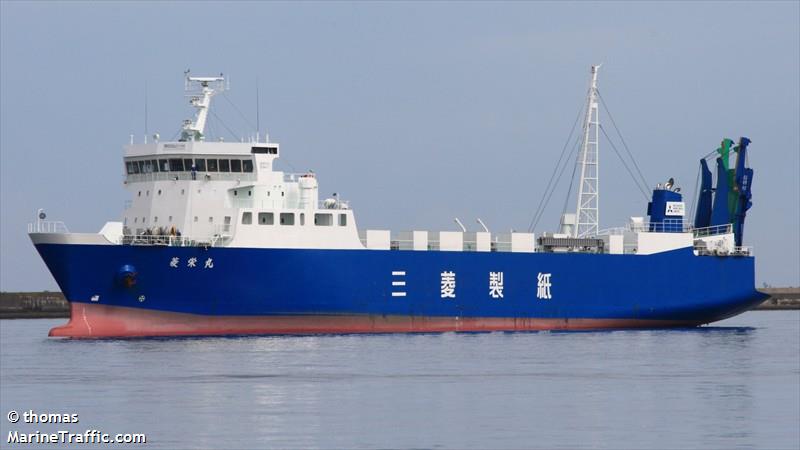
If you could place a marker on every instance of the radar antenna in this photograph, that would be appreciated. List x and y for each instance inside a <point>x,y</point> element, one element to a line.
<point>588,210</point>
<point>200,90</point>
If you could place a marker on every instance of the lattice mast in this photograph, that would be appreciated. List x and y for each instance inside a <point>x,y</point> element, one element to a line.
<point>588,209</point>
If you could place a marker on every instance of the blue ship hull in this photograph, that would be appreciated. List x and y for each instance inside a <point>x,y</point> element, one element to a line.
<point>242,290</point>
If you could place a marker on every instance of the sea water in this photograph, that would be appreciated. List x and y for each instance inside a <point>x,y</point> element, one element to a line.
<point>735,384</point>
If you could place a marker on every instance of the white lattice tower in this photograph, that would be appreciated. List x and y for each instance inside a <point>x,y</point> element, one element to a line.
<point>588,210</point>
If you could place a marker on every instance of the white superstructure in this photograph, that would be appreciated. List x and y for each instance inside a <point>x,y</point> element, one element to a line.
<point>223,193</point>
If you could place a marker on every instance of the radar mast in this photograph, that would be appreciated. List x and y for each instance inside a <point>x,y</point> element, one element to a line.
<point>200,90</point>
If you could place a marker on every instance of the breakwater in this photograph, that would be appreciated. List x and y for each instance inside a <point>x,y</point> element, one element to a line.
<point>33,305</point>
<point>781,298</point>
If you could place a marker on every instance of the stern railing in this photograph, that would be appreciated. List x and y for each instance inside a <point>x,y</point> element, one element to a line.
<point>713,230</point>
<point>702,250</point>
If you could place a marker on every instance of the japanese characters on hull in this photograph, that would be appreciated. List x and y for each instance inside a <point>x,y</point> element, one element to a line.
<point>191,262</point>
<point>496,286</point>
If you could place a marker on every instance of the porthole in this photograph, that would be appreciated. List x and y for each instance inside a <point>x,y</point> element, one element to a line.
<point>159,192</point>
<point>195,218</point>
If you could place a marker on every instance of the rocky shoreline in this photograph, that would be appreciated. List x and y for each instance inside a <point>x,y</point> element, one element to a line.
<point>39,305</point>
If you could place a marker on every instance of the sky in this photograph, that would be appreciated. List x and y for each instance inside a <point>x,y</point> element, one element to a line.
<point>414,112</point>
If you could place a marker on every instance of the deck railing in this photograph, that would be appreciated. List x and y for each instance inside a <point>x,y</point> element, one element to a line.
<point>42,226</point>
<point>677,226</point>
<point>173,241</point>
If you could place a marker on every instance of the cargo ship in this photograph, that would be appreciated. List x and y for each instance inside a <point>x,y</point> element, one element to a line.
<point>215,241</point>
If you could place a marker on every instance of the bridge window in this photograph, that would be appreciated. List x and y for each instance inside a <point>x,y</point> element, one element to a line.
<point>176,165</point>
<point>287,218</point>
<point>154,165</point>
<point>323,220</point>
<point>236,165</point>
<point>266,218</point>
<point>164,165</point>
<point>130,167</point>
<point>212,165</point>
<point>224,165</point>
<point>147,166</point>
<point>187,164</point>
<point>247,165</point>
<point>342,220</point>
<point>200,163</point>
<point>247,218</point>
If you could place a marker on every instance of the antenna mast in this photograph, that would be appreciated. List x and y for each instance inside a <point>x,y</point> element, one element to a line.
<point>258,112</point>
<point>588,210</point>
<point>145,110</point>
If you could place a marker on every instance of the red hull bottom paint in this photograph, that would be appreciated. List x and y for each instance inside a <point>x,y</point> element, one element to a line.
<point>101,321</point>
